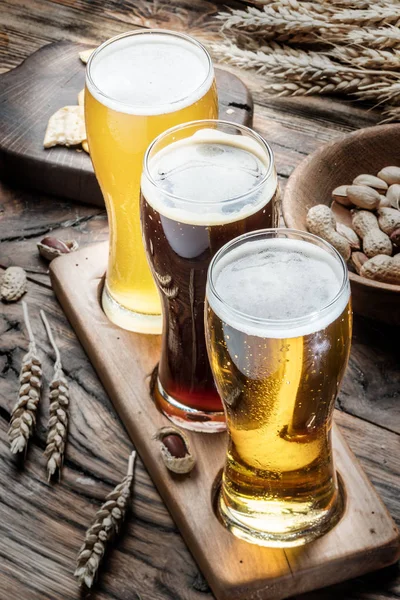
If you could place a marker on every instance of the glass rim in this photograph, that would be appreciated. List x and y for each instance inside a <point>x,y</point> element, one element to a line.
<point>204,122</point>
<point>133,32</point>
<point>262,233</point>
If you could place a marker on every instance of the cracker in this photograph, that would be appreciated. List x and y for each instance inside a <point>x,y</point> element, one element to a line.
<point>85,55</point>
<point>85,146</point>
<point>66,127</point>
<point>81,97</point>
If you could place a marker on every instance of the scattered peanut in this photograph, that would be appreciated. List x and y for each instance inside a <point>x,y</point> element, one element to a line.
<point>390,175</point>
<point>389,219</point>
<point>13,284</point>
<point>321,222</point>
<point>363,196</point>
<point>382,268</point>
<point>175,450</point>
<point>371,181</point>
<point>51,247</point>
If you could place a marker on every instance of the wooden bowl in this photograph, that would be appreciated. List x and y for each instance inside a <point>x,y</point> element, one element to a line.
<point>338,163</point>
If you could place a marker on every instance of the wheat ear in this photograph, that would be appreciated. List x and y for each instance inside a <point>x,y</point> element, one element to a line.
<point>103,529</point>
<point>381,38</point>
<point>59,411</point>
<point>367,58</point>
<point>23,415</point>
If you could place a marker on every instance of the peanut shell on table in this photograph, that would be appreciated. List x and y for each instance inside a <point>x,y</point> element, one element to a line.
<point>13,284</point>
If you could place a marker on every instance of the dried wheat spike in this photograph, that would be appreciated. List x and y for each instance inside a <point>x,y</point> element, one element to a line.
<point>58,423</point>
<point>59,405</point>
<point>106,525</point>
<point>23,416</point>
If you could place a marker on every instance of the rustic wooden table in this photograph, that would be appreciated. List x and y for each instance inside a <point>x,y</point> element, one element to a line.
<point>42,525</point>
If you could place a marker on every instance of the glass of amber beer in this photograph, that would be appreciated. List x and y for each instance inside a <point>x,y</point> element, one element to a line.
<point>203,184</point>
<point>137,85</point>
<point>278,329</point>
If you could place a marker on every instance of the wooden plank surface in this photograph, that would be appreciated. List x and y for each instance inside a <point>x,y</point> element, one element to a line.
<point>42,525</point>
<point>365,539</point>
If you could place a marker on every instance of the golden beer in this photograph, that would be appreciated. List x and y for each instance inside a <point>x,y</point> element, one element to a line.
<point>137,85</point>
<point>278,330</point>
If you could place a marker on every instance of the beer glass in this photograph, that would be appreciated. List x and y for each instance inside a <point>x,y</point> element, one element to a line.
<point>203,184</point>
<point>278,329</point>
<point>137,85</point>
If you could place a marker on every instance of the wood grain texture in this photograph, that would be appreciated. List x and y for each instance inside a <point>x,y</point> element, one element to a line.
<point>338,163</point>
<point>49,79</point>
<point>42,526</point>
<point>365,539</point>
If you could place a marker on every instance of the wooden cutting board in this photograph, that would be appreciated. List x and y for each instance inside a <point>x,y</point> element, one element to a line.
<point>47,80</point>
<point>364,540</point>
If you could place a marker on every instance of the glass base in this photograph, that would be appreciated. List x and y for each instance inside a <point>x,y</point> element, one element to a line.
<point>281,527</point>
<point>187,417</point>
<point>127,319</point>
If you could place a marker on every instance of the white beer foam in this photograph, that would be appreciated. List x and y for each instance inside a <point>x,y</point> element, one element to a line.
<point>149,74</point>
<point>209,170</point>
<point>278,280</point>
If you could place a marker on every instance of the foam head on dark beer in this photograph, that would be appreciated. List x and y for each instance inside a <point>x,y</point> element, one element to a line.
<point>209,178</point>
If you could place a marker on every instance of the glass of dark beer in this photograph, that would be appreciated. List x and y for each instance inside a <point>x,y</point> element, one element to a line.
<point>278,327</point>
<point>203,184</point>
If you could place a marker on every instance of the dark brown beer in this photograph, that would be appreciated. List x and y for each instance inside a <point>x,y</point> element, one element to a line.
<point>180,240</point>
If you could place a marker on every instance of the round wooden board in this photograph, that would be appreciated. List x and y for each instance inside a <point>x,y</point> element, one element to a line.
<point>51,78</point>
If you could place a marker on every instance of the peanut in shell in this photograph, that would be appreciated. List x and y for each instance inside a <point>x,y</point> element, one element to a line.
<point>363,196</point>
<point>371,181</point>
<point>390,175</point>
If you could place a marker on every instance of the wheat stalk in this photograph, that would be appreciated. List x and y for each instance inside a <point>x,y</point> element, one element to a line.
<point>105,526</point>
<point>23,415</point>
<point>367,58</point>
<point>298,65</point>
<point>364,61</point>
<point>392,113</point>
<point>367,18</point>
<point>278,20</point>
<point>385,37</point>
<point>381,92</point>
<point>59,405</point>
<point>358,4</point>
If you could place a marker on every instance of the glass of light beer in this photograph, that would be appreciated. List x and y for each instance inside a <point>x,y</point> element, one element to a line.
<point>137,85</point>
<point>203,184</point>
<point>278,328</point>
